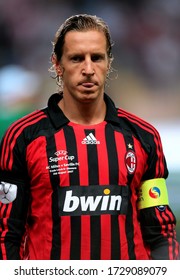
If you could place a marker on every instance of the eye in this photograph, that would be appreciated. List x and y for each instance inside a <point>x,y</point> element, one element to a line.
<point>97,57</point>
<point>76,58</point>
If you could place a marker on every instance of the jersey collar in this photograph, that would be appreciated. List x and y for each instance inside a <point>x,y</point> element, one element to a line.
<point>59,119</point>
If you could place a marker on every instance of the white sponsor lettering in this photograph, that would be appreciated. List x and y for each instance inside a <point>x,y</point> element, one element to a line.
<point>91,203</point>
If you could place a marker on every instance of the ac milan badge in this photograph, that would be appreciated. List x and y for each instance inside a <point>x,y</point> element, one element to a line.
<point>130,161</point>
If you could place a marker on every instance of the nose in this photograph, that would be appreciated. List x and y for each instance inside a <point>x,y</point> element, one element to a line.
<point>88,68</point>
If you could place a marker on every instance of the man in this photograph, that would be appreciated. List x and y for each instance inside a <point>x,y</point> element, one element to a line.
<point>82,179</point>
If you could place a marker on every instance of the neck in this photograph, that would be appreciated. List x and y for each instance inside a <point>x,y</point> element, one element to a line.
<point>86,113</point>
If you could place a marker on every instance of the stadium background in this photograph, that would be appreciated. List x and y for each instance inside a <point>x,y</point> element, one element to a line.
<point>146,76</point>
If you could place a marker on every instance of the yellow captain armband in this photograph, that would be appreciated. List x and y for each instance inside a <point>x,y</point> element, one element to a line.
<point>152,193</point>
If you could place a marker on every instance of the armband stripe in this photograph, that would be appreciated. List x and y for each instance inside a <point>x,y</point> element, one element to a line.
<point>152,193</point>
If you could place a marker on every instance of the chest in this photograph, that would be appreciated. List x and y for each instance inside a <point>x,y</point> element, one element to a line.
<point>79,155</point>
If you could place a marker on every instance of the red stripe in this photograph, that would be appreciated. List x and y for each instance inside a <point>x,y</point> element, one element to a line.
<point>61,146</point>
<point>149,128</point>
<point>141,160</point>
<point>10,140</point>
<point>5,226</point>
<point>106,237</point>
<point>103,165</point>
<point>121,151</point>
<point>65,237</point>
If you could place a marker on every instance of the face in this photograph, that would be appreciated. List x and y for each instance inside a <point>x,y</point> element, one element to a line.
<point>84,65</point>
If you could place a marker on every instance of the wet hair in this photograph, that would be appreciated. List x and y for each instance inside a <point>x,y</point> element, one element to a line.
<point>81,22</point>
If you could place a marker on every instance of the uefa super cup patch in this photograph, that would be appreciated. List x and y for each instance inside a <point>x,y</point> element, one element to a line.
<point>93,200</point>
<point>152,193</point>
<point>8,192</point>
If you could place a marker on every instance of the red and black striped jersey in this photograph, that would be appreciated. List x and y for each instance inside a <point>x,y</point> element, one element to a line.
<point>77,188</point>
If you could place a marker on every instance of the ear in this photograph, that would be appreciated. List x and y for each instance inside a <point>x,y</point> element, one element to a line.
<point>109,67</point>
<point>56,65</point>
<point>109,63</point>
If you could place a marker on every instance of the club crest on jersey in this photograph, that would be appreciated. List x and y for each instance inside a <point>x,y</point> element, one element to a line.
<point>130,161</point>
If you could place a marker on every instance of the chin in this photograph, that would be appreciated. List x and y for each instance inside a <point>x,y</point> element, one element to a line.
<point>89,95</point>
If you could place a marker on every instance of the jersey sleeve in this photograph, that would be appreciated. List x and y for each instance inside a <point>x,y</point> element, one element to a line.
<point>14,194</point>
<point>159,234</point>
<point>158,223</point>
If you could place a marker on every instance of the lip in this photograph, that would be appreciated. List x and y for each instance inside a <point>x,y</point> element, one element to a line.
<point>87,84</point>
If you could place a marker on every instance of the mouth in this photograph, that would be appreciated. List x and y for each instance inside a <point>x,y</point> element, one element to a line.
<point>88,84</point>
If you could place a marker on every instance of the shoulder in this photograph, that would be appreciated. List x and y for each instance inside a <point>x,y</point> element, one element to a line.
<point>139,125</point>
<point>25,124</point>
<point>28,120</point>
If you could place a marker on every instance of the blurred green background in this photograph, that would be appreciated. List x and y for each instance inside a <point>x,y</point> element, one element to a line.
<point>146,76</point>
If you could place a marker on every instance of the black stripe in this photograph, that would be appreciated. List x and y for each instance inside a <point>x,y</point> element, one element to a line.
<point>5,210</point>
<point>112,155</point>
<point>95,238</point>
<point>75,251</point>
<point>129,219</point>
<point>114,179</point>
<point>92,161</point>
<point>55,182</point>
<point>94,180</point>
